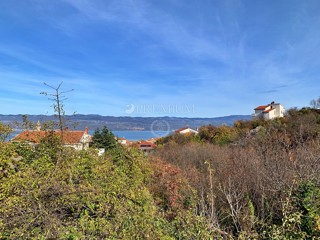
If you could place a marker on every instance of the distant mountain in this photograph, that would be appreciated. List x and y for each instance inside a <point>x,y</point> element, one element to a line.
<point>93,121</point>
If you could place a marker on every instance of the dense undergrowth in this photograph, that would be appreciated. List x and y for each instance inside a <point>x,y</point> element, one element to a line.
<point>52,192</point>
<point>255,180</point>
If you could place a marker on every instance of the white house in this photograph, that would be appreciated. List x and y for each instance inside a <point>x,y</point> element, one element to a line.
<point>269,111</point>
<point>122,141</point>
<point>186,130</point>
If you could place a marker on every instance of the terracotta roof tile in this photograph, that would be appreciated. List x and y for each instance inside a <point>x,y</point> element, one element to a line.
<point>69,137</point>
<point>147,144</point>
<point>261,107</point>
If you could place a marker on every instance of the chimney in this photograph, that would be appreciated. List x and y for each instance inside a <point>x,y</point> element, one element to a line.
<point>86,130</point>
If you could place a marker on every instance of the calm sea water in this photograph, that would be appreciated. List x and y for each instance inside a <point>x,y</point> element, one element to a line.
<point>138,135</point>
<point>129,135</point>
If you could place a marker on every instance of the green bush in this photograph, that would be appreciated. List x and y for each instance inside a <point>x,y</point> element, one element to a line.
<point>83,197</point>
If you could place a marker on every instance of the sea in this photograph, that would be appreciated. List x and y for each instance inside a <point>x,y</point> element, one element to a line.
<point>140,135</point>
<point>129,135</point>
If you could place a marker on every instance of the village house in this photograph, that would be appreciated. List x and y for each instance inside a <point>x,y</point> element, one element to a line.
<point>269,111</point>
<point>147,147</point>
<point>78,140</point>
<point>186,130</point>
<point>122,141</point>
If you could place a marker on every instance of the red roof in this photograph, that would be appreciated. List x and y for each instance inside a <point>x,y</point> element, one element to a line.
<point>147,144</point>
<point>261,107</point>
<point>69,137</point>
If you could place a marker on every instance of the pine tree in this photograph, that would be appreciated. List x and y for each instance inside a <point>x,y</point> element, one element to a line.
<point>103,138</point>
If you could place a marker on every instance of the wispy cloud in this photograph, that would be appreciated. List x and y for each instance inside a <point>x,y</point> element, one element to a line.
<point>223,54</point>
<point>32,57</point>
<point>170,31</point>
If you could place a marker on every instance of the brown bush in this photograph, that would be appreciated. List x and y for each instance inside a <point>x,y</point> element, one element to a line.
<point>241,187</point>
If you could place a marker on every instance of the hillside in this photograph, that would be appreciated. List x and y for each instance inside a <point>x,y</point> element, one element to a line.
<point>94,121</point>
<point>256,179</point>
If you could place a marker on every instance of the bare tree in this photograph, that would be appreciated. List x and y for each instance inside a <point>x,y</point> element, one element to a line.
<point>58,98</point>
<point>315,103</point>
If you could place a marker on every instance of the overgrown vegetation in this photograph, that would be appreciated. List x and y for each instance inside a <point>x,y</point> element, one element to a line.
<point>90,197</point>
<point>5,131</point>
<point>255,180</point>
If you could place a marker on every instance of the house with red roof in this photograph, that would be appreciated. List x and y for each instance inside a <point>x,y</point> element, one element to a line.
<point>147,147</point>
<point>78,140</point>
<point>269,111</point>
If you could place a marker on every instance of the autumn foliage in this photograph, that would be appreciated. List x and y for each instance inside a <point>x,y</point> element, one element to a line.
<point>255,180</point>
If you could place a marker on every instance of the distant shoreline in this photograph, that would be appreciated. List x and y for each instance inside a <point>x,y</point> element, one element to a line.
<point>128,123</point>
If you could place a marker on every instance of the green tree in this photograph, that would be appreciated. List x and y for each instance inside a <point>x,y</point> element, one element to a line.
<point>103,138</point>
<point>218,135</point>
<point>86,198</point>
<point>26,123</point>
<point>5,131</point>
<point>308,200</point>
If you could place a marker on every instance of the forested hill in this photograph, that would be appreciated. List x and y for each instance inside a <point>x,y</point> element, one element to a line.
<point>130,123</point>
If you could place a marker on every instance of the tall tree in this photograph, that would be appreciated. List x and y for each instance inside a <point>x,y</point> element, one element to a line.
<point>58,98</point>
<point>103,138</point>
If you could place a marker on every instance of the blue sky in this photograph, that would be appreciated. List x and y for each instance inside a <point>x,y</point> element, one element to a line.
<point>195,58</point>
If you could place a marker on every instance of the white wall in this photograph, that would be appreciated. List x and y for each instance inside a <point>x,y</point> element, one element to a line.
<point>188,130</point>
